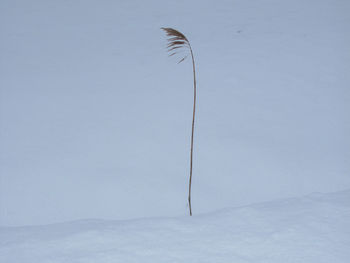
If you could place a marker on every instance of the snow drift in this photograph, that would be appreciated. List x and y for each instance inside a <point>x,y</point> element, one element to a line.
<point>312,229</point>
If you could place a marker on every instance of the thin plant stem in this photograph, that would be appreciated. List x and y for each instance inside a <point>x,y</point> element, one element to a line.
<point>193,119</point>
<point>176,42</point>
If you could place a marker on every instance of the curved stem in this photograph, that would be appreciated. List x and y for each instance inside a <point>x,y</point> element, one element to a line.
<point>193,118</point>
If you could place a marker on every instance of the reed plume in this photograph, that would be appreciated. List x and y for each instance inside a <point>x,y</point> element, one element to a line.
<point>178,42</point>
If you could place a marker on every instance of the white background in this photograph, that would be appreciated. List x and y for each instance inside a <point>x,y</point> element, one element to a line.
<point>95,119</point>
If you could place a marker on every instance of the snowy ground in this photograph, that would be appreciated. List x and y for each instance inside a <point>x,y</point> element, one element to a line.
<point>312,229</point>
<point>95,118</point>
<point>95,122</point>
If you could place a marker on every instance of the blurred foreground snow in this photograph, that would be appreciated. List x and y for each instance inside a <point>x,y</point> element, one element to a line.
<point>315,228</point>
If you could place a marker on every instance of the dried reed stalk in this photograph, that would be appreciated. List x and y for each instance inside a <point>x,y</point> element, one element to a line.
<point>176,42</point>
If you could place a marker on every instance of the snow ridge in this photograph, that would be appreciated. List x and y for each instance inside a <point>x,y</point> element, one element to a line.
<point>314,228</point>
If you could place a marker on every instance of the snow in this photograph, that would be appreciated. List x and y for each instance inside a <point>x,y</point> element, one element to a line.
<point>96,118</point>
<point>311,229</point>
<point>95,122</point>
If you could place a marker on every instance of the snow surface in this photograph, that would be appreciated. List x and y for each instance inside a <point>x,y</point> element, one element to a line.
<point>312,229</point>
<point>95,118</point>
